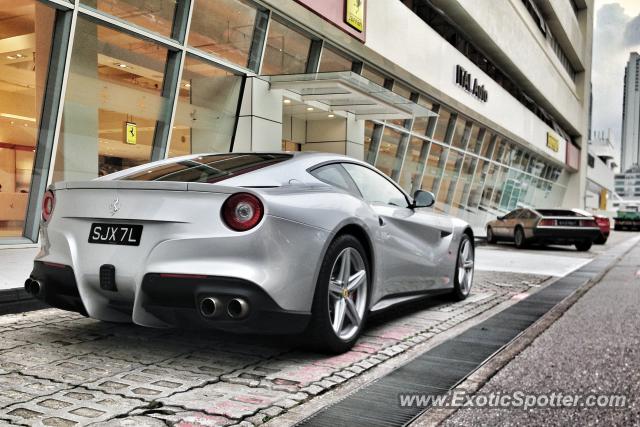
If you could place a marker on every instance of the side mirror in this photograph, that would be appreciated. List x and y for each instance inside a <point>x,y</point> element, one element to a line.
<point>423,199</point>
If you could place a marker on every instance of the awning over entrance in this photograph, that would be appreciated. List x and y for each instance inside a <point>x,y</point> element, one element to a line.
<point>346,91</point>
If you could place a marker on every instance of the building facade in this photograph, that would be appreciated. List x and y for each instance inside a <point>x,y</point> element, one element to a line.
<point>628,184</point>
<point>484,105</point>
<point>602,164</point>
<point>630,142</point>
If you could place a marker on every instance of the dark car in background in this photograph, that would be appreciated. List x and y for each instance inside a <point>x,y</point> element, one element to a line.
<point>545,226</point>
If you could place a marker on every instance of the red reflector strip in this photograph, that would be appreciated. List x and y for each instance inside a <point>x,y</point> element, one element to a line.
<point>183,276</point>
<point>54,264</point>
<point>589,223</point>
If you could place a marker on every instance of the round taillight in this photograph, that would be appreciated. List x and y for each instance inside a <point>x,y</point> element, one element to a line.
<point>48,203</point>
<point>242,211</point>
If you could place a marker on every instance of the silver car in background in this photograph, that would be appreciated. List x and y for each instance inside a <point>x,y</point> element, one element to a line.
<point>247,242</point>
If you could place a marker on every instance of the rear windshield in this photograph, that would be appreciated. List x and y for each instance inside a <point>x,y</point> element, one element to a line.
<point>209,169</point>
<point>558,212</point>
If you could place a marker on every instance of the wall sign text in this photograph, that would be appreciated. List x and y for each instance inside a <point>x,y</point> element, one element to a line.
<point>470,84</point>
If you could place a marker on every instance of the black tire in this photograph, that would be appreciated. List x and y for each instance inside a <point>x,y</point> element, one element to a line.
<point>491,238</point>
<point>519,238</point>
<point>600,240</point>
<point>583,246</point>
<point>320,334</point>
<point>458,293</point>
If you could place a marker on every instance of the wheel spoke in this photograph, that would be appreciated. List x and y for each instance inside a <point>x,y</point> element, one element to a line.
<point>465,250</point>
<point>338,315</point>
<point>468,265</point>
<point>352,312</point>
<point>345,267</point>
<point>356,280</point>
<point>335,290</point>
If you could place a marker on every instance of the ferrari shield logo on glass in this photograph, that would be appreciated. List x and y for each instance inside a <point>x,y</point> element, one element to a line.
<point>354,14</point>
<point>114,206</point>
<point>131,133</point>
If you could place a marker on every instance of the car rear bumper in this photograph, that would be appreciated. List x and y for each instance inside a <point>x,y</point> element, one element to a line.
<point>175,301</point>
<point>567,235</point>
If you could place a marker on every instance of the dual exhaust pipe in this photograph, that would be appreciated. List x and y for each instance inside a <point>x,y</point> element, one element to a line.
<point>33,287</point>
<point>237,308</point>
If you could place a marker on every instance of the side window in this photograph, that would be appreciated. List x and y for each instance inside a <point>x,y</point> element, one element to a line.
<point>335,175</point>
<point>512,214</point>
<point>526,214</point>
<point>374,187</point>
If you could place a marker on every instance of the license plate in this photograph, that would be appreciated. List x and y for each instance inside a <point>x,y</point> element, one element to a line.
<point>568,222</point>
<point>115,234</point>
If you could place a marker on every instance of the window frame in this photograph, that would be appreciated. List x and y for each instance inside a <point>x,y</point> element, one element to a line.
<point>408,198</point>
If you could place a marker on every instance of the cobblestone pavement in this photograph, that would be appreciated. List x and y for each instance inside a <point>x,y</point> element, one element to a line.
<point>61,369</point>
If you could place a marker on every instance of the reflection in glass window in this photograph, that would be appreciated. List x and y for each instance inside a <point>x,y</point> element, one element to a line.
<point>330,60</point>
<point>223,28</point>
<point>463,185</point>
<point>501,180</point>
<point>489,184</point>
<point>442,124</point>
<point>286,52</point>
<point>462,134</point>
<point>489,145</point>
<point>387,160</point>
<point>420,124</point>
<point>373,75</point>
<point>372,131</point>
<point>475,141</point>
<point>110,94</point>
<point>24,65</point>
<point>516,158</point>
<point>206,112</point>
<point>449,179</point>
<point>434,169</point>
<point>478,182</point>
<point>414,164</point>
<point>154,15</point>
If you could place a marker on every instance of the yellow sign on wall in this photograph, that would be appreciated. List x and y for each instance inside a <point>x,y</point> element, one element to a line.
<point>552,142</point>
<point>354,14</point>
<point>604,194</point>
<point>131,133</point>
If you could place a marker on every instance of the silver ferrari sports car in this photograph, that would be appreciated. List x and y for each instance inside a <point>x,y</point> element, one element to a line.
<point>247,242</point>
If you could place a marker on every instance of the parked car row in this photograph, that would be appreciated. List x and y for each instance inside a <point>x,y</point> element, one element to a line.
<point>549,226</point>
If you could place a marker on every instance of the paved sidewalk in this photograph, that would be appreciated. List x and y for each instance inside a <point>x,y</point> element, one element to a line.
<point>59,368</point>
<point>593,348</point>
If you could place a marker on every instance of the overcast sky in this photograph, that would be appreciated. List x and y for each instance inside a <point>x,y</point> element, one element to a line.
<point>616,33</point>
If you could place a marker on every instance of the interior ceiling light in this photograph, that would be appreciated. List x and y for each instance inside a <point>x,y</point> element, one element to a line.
<point>331,116</point>
<point>287,101</point>
<point>17,117</point>
<point>309,108</point>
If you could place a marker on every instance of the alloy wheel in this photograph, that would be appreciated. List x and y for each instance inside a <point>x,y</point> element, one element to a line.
<point>465,266</point>
<point>347,293</point>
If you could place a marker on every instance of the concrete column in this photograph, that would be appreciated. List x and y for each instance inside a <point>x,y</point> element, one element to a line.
<point>337,135</point>
<point>260,122</point>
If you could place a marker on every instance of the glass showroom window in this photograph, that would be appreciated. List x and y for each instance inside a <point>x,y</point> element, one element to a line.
<point>387,160</point>
<point>371,131</point>
<point>207,107</point>
<point>287,50</point>
<point>224,28</point>
<point>489,144</point>
<point>445,120</point>
<point>434,169</point>
<point>154,15</point>
<point>330,60</point>
<point>24,66</point>
<point>112,105</point>
<point>422,124</point>
<point>489,185</point>
<point>449,179</point>
<point>463,184</point>
<point>461,134</point>
<point>475,194</point>
<point>501,182</point>
<point>476,139</point>
<point>414,164</point>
